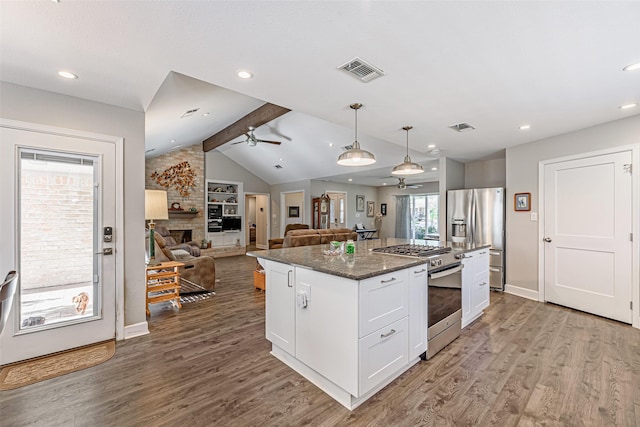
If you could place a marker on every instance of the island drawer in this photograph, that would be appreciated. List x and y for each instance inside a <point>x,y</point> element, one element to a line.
<point>382,353</point>
<point>382,300</point>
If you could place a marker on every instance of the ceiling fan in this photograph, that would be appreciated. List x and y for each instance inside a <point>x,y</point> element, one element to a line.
<point>252,141</point>
<point>403,185</point>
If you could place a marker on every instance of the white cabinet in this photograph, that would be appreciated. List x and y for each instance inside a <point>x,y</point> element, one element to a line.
<point>418,294</point>
<point>225,210</point>
<point>475,285</point>
<point>349,337</point>
<point>383,299</point>
<point>280,305</point>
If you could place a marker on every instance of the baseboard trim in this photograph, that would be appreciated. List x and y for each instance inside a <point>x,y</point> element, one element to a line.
<point>136,330</point>
<point>521,292</point>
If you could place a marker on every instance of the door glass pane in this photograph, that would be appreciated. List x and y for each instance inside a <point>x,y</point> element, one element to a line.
<point>424,216</point>
<point>57,239</point>
<point>342,211</point>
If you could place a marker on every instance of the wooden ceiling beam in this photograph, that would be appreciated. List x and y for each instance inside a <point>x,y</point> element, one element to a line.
<point>256,118</point>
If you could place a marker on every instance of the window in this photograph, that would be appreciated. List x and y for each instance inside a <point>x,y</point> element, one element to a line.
<point>424,216</point>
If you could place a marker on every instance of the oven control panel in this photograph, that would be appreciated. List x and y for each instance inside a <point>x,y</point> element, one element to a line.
<point>437,262</point>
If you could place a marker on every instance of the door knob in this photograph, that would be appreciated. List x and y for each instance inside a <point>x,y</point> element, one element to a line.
<point>547,239</point>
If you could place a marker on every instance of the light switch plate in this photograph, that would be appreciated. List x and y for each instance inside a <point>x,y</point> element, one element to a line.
<point>534,216</point>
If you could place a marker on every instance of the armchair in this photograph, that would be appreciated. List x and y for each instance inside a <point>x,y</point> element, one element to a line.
<point>192,247</point>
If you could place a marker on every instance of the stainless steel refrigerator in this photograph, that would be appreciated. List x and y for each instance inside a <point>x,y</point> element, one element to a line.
<point>477,216</point>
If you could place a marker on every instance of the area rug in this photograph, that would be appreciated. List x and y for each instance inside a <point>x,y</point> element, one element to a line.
<point>192,292</point>
<point>54,365</point>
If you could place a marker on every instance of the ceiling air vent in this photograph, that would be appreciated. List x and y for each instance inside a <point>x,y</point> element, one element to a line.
<point>362,70</point>
<point>461,127</point>
<point>277,166</point>
<point>189,113</point>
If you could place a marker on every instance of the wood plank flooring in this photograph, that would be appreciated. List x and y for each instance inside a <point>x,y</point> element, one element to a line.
<point>522,364</point>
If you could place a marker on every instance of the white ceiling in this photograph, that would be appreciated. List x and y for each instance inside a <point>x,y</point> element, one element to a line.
<point>496,65</point>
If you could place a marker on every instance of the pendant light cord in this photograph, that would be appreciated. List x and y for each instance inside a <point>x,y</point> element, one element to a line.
<point>356,110</point>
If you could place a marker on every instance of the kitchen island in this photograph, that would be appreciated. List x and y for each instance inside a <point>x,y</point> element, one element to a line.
<point>350,324</point>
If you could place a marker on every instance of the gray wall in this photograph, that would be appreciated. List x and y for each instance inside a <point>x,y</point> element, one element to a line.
<point>48,108</point>
<point>219,166</point>
<point>370,195</point>
<point>522,176</point>
<point>387,195</point>
<point>486,173</point>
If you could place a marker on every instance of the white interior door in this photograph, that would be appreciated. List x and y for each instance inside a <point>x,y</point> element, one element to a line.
<point>588,224</point>
<point>337,210</point>
<point>58,194</point>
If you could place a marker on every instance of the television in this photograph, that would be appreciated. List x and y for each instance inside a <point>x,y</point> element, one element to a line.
<point>231,223</point>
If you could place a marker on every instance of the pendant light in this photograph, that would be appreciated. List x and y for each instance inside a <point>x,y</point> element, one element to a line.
<point>356,156</point>
<point>407,167</point>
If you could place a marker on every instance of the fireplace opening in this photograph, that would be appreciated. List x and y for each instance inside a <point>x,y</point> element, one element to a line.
<point>181,236</point>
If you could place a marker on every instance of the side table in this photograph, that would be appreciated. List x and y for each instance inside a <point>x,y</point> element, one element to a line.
<point>163,284</point>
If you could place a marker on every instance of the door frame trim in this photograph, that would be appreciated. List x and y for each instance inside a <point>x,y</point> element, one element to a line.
<point>283,208</point>
<point>119,196</point>
<point>268,213</point>
<point>635,208</point>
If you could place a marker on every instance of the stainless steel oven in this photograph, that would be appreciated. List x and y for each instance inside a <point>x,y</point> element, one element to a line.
<point>445,306</point>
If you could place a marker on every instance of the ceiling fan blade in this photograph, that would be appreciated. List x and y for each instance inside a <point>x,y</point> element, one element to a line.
<point>270,142</point>
<point>239,142</point>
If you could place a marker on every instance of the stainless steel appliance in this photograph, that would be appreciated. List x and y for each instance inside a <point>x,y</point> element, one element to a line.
<point>444,301</point>
<point>477,216</point>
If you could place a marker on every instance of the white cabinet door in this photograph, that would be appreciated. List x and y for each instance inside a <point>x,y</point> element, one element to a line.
<point>417,311</point>
<point>383,299</point>
<point>327,326</point>
<point>382,353</point>
<point>480,287</point>
<point>280,305</point>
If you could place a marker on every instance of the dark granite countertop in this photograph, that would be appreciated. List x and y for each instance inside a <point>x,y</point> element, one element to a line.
<point>362,265</point>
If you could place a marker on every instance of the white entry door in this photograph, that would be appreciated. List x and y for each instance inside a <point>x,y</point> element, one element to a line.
<point>337,209</point>
<point>588,225</point>
<point>58,196</point>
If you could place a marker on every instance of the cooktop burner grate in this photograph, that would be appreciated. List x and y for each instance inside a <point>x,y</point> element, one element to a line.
<point>413,250</point>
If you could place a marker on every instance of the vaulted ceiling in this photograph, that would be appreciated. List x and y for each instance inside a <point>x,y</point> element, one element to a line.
<point>556,66</point>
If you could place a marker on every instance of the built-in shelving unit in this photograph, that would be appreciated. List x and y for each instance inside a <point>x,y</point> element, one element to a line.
<point>224,213</point>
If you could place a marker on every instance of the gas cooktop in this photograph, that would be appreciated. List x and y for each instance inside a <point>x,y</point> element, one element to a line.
<point>413,250</point>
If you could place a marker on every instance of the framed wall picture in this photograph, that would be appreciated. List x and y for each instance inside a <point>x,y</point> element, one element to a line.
<point>370,208</point>
<point>294,211</point>
<point>383,209</point>
<point>522,202</point>
<point>359,203</point>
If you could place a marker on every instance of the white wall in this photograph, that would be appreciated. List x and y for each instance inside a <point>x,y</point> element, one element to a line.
<point>48,108</point>
<point>522,176</point>
<point>387,195</point>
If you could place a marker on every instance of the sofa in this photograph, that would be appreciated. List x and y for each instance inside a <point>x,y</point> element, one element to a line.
<point>198,272</point>
<point>318,237</point>
<point>278,241</point>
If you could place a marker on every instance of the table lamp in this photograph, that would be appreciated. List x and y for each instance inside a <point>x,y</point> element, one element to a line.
<point>155,207</point>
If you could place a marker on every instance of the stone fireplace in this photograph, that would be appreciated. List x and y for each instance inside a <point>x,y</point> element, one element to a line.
<point>184,220</point>
<point>181,236</point>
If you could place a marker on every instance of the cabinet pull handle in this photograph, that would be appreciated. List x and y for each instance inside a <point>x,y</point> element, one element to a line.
<point>289,284</point>
<point>495,270</point>
<point>482,253</point>
<point>420,271</point>
<point>387,281</point>
<point>483,283</point>
<point>494,253</point>
<point>388,334</point>
<point>468,256</point>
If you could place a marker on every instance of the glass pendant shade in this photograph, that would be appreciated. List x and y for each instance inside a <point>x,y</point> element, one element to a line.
<point>356,156</point>
<point>407,167</point>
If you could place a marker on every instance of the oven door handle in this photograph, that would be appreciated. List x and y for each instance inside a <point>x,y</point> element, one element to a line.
<point>446,272</point>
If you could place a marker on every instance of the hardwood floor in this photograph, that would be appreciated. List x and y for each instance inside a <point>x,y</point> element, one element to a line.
<point>523,363</point>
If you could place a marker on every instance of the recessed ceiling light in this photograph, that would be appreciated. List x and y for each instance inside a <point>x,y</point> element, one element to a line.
<point>632,67</point>
<point>280,159</point>
<point>331,144</point>
<point>173,140</point>
<point>431,146</point>
<point>350,179</point>
<point>244,74</point>
<point>627,106</point>
<point>384,183</point>
<point>434,169</point>
<point>205,114</point>
<point>67,74</point>
<point>525,127</point>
